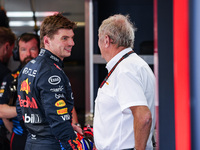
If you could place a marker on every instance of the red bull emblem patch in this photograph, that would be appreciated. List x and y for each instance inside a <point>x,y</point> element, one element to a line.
<point>60,103</point>
<point>76,143</point>
<point>62,111</point>
<point>25,86</point>
<point>15,75</point>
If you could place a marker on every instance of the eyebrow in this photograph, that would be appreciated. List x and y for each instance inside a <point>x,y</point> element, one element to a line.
<point>67,36</point>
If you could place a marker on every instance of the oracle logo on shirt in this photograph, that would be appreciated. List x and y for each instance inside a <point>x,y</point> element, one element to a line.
<point>29,72</point>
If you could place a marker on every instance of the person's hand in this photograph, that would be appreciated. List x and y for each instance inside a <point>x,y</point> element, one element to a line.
<point>94,147</point>
<point>77,129</point>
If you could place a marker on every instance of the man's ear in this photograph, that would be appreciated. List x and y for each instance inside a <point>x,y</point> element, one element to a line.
<point>107,41</point>
<point>46,41</point>
<point>6,48</point>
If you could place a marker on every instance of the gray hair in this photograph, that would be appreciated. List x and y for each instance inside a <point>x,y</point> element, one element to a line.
<point>120,29</point>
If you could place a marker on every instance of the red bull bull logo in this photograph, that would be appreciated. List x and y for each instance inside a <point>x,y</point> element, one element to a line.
<point>76,143</point>
<point>25,86</point>
<point>15,75</point>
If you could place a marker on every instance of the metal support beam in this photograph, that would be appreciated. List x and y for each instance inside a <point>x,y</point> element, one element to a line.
<point>89,98</point>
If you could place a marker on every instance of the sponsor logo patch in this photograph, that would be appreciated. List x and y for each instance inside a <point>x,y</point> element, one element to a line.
<point>54,79</point>
<point>54,58</point>
<point>15,75</point>
<point>29,72</point>
<point>33,61</point>
<point>65,117</point>
<point>76,143</point>
<point>33,118</point>
<point>58,96</point>
<point>1,90</point>
<point>59,89</point>
<point>4,83</point>
<point>27,102</point>
<point>72,97</point>
<point>25,86</point>
<point>62,111</point>
<point>33,137</point>
<point>60,103</point>
<point>42,51</point>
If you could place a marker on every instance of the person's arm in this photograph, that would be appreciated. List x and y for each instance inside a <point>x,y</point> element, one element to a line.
<point>7,111</point>
<point>74,116</point>
<point>8,124</point>
<point>58,111</point>
<point>142,125</point>
<point>76,126</point>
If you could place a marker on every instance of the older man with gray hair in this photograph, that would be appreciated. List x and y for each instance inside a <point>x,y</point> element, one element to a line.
<point>124,107</point>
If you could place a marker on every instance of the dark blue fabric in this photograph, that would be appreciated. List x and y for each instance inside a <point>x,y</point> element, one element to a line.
<point>3,72</point>
<point>46,101</point>
<point>7,95</point>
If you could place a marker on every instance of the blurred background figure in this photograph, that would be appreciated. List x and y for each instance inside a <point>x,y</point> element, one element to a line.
<point>27,48</point>
<point>4,21</point>
<point>7,40</point>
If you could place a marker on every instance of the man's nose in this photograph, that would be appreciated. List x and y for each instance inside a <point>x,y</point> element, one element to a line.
<point>71,42</point>
<point>28,53</point>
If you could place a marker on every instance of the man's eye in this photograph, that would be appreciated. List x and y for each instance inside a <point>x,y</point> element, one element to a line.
<point>33,48</point>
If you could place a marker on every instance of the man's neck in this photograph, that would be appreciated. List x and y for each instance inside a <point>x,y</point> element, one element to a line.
<point>114,51</point>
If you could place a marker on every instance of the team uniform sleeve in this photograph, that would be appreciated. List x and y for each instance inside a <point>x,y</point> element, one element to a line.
<point>5,90</point>
<point>19,112</point>
<point>57,100</point>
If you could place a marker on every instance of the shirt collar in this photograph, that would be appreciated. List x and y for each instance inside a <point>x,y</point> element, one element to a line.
<point>51,57</point>
<point>114,60</point>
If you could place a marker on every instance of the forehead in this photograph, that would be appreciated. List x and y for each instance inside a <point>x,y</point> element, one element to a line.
<point>30,42</point>
<point>64,32</point>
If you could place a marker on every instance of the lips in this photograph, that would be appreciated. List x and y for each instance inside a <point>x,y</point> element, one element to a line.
<point>68,50</point>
